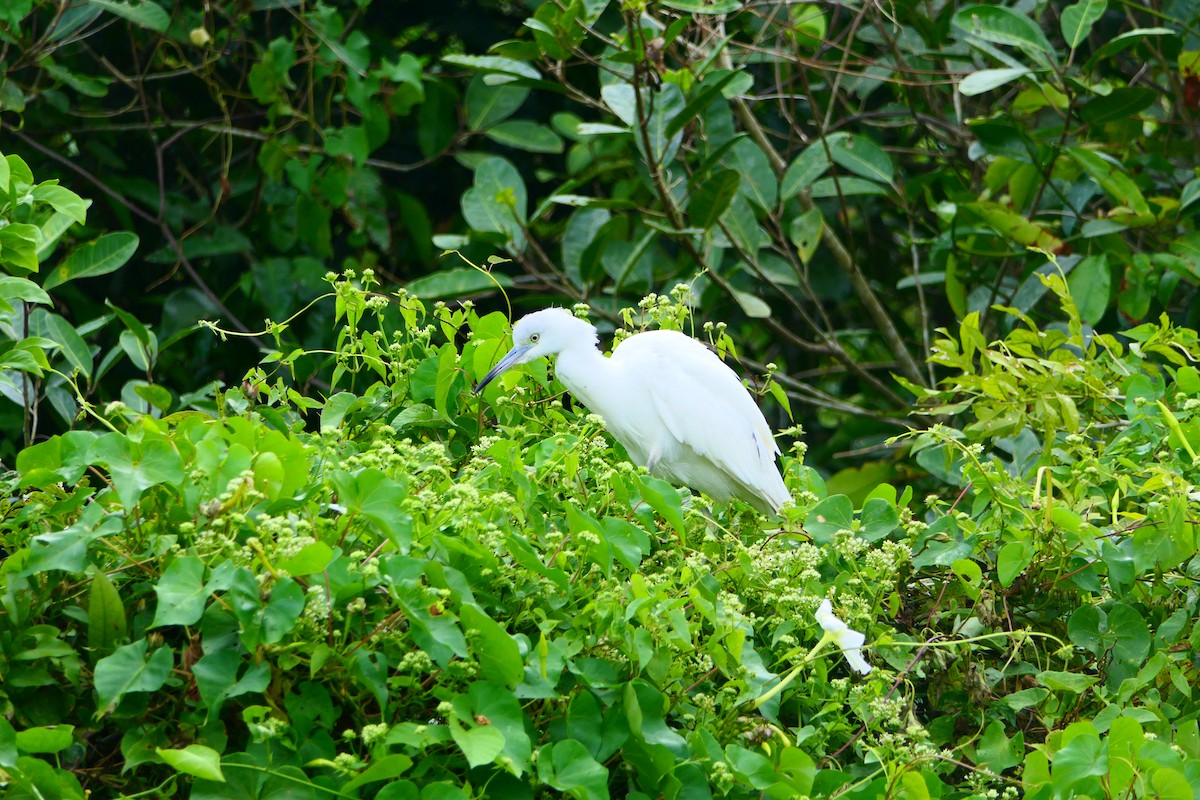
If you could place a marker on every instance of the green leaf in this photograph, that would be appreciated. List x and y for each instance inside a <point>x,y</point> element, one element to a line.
<point>662,497</point>
<point>1190,193</point>
<point>879,518</point>
<point>985,80</point>
<point>710,88</point>
<point>22,289</point>
<point>709,201</point>
<point>1002,25</point>
<point>801,173</point>
<point>805,231</point>
<point>1066,681</point>
<point>758,182</point>
<point>1112,179</point>
<point>1123,42</point>
<point>447,372</point>
<point>1090,284</point>
<point>1121,103</point>
<point>350,141</point>
<point>751,304</point>
<point>106,613</point>
<point>381,769</point>
<point>437,119</point>
<point>480,744</point>
<point>128,670</point>
<point>486,105</point>
<point>45,739</point>
<point>377,498</point>
<point>525,135</point>
<point>845,187</point>
<point>497,652</point>
<point>665,105</point>
<point>195,759</point>
<point>1086,756</point>
<point>495,64</point>
<point>19,244</point>
<point>828,517</point>
<point>1078,18</point>
<point>497,201</point>
<point>447,284</point>
<point>311,559</point>
<point>862,156</point>
<point>217,678</point>
<point>622,100</point>
<point>1012,560</point>
<point>66,550</point>
<point>8,742</point>
<point>136,466</point>
<point>996,751</point>
<point>567,766</point>
<point>703,6</point>
<point>181,593</point>
<point>1129,633</point>
<point>72,346</point>
<point>144,13</point>
<point>108,253</point>
<point>1013,226</point>
<point>63,200</point>
<point>583,227</point>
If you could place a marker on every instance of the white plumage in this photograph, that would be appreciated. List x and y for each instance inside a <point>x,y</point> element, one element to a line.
<point>676,407</point>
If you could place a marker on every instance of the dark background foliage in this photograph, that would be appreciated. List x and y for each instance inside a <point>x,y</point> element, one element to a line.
<point>818,169</point>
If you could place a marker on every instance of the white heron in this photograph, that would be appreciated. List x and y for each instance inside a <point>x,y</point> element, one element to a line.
<point>675,406</point>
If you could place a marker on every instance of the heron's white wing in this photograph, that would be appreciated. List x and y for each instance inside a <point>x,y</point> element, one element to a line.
<point>704,405</point>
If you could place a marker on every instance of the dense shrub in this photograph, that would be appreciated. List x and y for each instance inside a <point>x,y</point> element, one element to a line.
<point>426,593</point>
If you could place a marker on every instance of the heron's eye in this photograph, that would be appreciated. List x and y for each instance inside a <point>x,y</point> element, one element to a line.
<point>533,338</point>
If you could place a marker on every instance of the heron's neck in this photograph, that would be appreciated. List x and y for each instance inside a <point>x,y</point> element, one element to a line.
<point>588,376</point>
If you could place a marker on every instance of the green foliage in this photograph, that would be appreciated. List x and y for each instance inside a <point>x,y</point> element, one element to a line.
<point>405,598</point>
<point>839,185</point>
<point>393,588</point>
<point>43,356</point>
<point>426,591</point>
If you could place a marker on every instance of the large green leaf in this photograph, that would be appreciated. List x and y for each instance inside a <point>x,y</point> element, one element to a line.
<point>1078,18</point>
<point>497,201</point>
<point>457,282</point>
<point>496,651</point>
<point>19,243</point>
<point>862,156</point>
<point>1091,287</point>
<point>758,182</point>
<point>709,201</point>
<point>377,498</point>
<point>181,592</point>
<point>567,766</point>
<point>136,466</point>
<point>496,64</point>
<point>145,13</point>
<point>1002,25</point>
<point>108,253</point>
<point>195,759</point>
<point>106,613</point>
<point>987,79</point>
<point>486,105</point>
<point>129,670</point>
<point>525,135</point>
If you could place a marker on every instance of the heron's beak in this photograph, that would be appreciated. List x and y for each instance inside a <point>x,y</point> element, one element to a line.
<point>511,359</point>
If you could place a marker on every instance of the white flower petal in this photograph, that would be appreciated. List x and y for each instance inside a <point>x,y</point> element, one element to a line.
<point>856,661</point>
<point>850,641</point>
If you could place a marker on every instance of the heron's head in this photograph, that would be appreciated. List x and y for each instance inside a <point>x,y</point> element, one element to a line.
<point>542,333</point>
